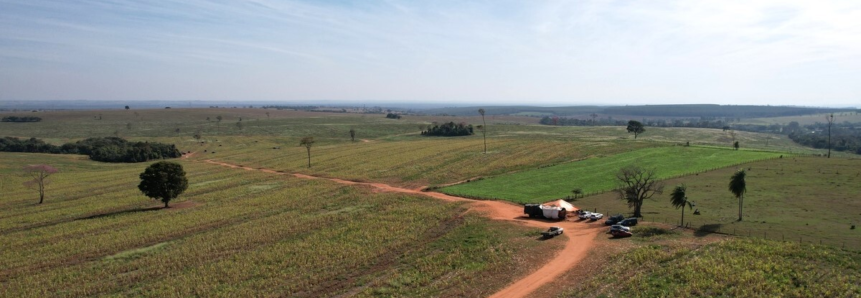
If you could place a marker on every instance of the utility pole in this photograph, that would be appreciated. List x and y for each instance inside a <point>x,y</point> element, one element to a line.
<point>830,119</point>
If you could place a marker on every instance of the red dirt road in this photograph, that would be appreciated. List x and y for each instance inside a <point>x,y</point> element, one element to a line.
<point>580,236</point>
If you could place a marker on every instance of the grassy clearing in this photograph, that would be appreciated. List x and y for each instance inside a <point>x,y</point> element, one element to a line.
<point>809,199</point>
<point>598,174</point>
<point>681,266</point>
<point>247,234</point>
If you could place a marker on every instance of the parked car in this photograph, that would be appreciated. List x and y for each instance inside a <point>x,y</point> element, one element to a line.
<point>552,232</point>
<point>616,228</point>
<point>614,219</point>
<point>585,214</point>
<point>631,221</point>
<point>621,234</point>
<point>595,216</point>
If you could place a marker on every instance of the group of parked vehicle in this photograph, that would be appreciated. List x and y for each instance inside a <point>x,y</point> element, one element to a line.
<point>620,226</point>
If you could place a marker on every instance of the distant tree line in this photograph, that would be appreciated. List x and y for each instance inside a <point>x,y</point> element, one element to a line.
<point>713,110</point>
<point>21,119</point>
<point>449,129</point>
<point>662,111</point>
<point>110,149</point>
<point>845,136</point>
<point>393,116</point>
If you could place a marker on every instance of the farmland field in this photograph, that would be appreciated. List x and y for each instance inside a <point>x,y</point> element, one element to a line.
<point>242,233</point>
<point>250,233</point>
<point>596,175</point>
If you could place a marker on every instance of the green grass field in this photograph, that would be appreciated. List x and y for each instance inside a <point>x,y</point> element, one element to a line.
<point>680,265</point>
<point>809,199</point>
<point>597,174</point>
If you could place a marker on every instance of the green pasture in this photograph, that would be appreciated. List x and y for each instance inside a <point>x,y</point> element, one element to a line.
<point>594,175</point>
<point>680,265</point>
<point>808,199</point>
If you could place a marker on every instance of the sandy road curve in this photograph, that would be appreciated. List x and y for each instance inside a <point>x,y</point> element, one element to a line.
<point>580,236</point>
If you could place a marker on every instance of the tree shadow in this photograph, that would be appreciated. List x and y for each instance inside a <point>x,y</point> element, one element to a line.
<point>121,212</point>
<point>705,230</point>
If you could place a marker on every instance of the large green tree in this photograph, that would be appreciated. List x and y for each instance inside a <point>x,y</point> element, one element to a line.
<point>636,185</point>
<point>738,187</point>
<point>679,199</point>
<point>307,142</point>
<point>163,181</point>
<point>635,127</point>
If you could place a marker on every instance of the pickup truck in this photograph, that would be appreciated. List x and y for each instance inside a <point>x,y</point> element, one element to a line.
<point>552,232</point>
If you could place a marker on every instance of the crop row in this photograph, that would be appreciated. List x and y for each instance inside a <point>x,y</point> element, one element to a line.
<point>248,233</point>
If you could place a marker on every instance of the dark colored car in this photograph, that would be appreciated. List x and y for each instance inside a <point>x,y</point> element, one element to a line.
<point>629,222</point>
<point>614,219</point>
<point>621,234</point>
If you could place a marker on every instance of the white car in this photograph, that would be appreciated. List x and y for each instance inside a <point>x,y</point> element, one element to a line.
<point>585,214</point>
<point>595,216</point>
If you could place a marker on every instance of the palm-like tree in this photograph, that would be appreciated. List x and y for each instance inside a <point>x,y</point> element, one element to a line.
<point>483,129</point>
<point>679,199</point>
<point>738,187</point>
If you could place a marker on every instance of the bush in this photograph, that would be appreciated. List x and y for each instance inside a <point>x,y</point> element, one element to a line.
<point>21,119</point>
<point>449,129</point>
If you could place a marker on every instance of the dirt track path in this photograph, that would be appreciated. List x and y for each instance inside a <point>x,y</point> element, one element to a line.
<point>580,236</point>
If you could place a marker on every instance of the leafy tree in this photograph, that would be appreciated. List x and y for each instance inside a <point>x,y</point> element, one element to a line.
<point>735,145</point>
<point>637,184</point>
<point>127,107</point>
<point>307,142</point>
<point>218,119</point>
<point>163,181</point>
<point>679,199</point>
<point>738,187</point>
<point>483,129</point>
<point>635,127</point>
<point>40,174</point>
<point>352,134</point>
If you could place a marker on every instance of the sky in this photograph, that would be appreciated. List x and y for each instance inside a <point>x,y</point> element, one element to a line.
<point>496,52</point>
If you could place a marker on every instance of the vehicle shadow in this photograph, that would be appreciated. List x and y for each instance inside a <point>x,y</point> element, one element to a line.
<point>705,230</point>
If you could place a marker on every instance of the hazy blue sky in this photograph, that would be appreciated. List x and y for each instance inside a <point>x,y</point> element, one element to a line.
<point>489,52</point>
